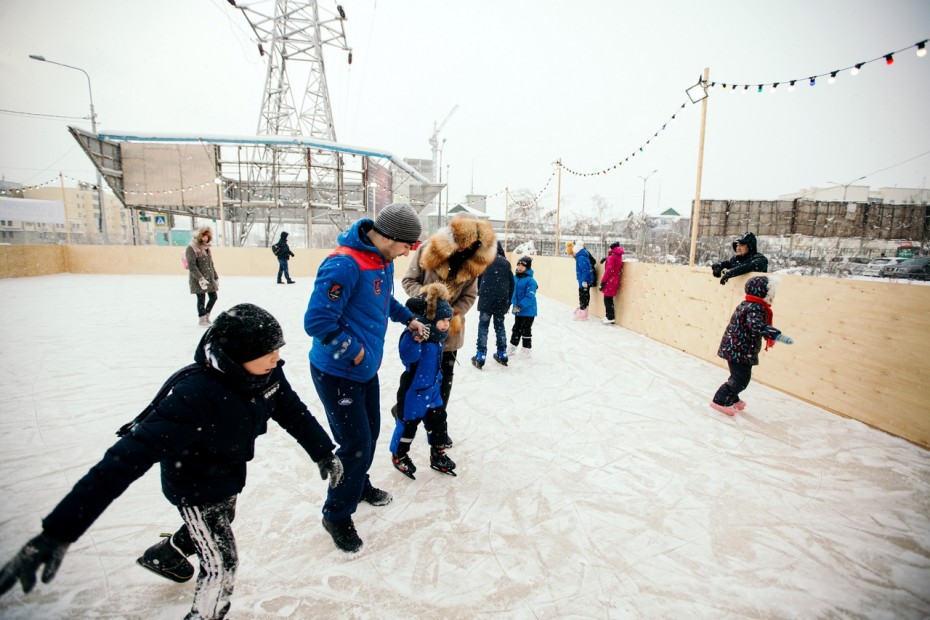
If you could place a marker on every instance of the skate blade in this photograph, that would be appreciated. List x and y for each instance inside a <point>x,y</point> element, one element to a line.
<point>447,472</point>
<point>408,474</point>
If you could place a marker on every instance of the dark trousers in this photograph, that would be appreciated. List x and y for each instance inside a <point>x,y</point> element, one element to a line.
<point>584,297</point>
<point>500,331</point>
<point>609,307</point>
<point>353,409</point>
<point>207,531</point>
<point>436,421</point>
<point>282,269</point>
<point>204,306</point>
<point>522,328</point>
<point>728,393</point>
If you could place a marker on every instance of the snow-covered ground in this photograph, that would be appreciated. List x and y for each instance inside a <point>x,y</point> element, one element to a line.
<point>594,480</point>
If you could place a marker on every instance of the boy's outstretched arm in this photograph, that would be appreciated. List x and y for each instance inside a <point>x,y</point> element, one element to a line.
<point>41,550</point>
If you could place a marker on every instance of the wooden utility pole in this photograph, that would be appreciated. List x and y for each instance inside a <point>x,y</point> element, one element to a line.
<point>64,203</point>
<point>696,209</point>
<point>558,206</point>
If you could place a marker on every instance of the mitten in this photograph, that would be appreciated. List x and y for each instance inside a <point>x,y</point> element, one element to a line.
<point>600,287</point>
<point>717,269</point>
<point>43,549</point>
<point>516,309</point>
<point>724,278</point>
<point>424,335</point>
<point>784,338</point>
<point>331,467</point>
<point>584,285</point>
<point>203,283</point>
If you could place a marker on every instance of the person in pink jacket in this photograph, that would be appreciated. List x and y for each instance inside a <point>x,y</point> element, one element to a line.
<point>610,281</point>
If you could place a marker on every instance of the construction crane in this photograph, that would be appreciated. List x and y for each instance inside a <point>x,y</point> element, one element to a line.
<point>434,140</point>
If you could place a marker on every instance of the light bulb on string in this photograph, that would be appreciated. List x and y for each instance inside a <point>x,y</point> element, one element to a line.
<point>813,81</point>
<point>855,70</point>
<point>745,89</point>
<point>791,86</point>
<point>759,90</point>
<point>832,77</point>
<point>922,49</point>
<point>889,59</point>
<point>774,86</point>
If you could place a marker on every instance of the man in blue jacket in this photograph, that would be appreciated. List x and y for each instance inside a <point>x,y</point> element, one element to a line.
<point>352,300</point>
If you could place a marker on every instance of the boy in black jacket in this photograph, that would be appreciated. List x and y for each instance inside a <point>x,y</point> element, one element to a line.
<point>746,259</point>
<point>202,432</point>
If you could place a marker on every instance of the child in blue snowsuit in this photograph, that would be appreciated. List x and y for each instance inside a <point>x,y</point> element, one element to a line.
<point>419,389</point>
<point>524,307</point>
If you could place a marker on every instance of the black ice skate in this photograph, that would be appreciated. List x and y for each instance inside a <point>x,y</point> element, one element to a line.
<point>440,461</point>
<point>404,465</point>
<point>344,534</point>
<point>166,560</point>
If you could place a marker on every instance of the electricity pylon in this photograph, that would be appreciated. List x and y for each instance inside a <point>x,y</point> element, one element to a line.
<point>292,33</point>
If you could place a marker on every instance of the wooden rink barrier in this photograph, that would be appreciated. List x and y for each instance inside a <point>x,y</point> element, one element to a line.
<point>859,345</point>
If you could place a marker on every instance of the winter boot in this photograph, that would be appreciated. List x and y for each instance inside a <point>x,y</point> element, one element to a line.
<point>440,461</point>
<point>404,465</point>
<point>511,350</point>
<point>722,408</point>
<point>344,534</point>
<point>204,321</point>
<point>478,360</point>
<point>166,560</point>
<point>607,321</point>
<point>501,358</point>
<point>581,314</point>
<point>292,281</point>
<point>377,497</point>
<point>739,405</point>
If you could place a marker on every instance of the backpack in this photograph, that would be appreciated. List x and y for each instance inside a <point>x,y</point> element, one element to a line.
<point>184,259</point>
<point>275,249</point>
<point>187,371</point>
<point>593,268</point>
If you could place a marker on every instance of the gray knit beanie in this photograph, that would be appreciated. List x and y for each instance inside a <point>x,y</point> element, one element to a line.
<point>398,221</point>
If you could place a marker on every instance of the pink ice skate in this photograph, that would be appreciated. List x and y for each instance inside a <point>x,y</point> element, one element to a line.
<point>739,405</point>
<point>722,409</point>
<point>581,314</point>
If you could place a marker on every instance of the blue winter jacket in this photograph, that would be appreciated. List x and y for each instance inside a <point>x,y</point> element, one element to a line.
<point>352,300</point>
<point>524,293</point>
<point>583,270</point>
<point>423,392</point>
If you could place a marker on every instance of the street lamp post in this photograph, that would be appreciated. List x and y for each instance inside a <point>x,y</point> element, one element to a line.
<point>642,244</point>
<point>93,128</point>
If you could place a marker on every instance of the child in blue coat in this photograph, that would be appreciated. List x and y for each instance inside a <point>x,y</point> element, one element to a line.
<point>524,308</point>
<point>419,389</point>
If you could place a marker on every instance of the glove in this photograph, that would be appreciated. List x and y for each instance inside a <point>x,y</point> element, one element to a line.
<point>775,334</point>
<point>717,269</point>
<point>600,287</point>
<point>516,309</point>
<point>724,278</point>
<point>43,549</point>
<point>425,334</point>
<point>584,285</point>
<point>784,338</point>
<point>331,467</point>
<point>203,283</point>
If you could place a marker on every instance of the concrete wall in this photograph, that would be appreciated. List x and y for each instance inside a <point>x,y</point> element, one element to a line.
<point>859,345</point>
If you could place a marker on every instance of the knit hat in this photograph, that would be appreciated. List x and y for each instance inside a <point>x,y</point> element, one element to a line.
<point>570,248</point>
<point>526,261</point>
<point>615,244</point>
<point>432,303</point>
<point>398,221</point>
<point>245,333</point>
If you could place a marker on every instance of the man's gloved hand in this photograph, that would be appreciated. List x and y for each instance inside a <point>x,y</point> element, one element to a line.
<point>724,278</point>
<point>717,269</point>
<point>203,283</point>
<point>331,467</point>
<point>43,549</point>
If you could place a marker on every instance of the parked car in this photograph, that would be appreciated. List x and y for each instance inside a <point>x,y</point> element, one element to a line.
<point>846,265</point>
<point>917,268</point>
<point>875,266</point>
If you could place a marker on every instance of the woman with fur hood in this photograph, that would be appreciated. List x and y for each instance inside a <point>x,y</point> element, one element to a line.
<point>202,277</point>
<point>454,256</point>
<point>750,324</point>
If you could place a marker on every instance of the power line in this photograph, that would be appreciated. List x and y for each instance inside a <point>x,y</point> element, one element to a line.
<point>18,113</point>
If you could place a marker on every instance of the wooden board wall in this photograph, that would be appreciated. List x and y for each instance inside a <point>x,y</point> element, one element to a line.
<point>859,345</point>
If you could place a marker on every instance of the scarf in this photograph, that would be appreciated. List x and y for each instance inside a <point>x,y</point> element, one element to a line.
<point>769,342</point>
<point>200,248</point>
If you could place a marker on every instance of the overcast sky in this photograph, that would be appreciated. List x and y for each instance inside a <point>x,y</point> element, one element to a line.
<point>535,80</point>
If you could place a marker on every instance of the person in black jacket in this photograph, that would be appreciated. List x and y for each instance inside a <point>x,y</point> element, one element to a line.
<point>495,288</point>
<point>284,254</point>
<point>746,259</point>
<point>202,430</point>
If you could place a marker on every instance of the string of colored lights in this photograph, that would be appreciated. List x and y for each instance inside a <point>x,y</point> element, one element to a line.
<point>854,69</point>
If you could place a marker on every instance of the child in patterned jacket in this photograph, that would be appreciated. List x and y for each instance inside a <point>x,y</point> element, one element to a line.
<point>742,340</point>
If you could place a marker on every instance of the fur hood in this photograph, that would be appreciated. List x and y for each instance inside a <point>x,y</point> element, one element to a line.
<point>461,251</point>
